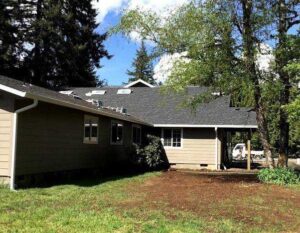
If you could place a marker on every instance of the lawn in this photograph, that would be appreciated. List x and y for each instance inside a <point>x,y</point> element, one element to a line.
<point>153,202</point>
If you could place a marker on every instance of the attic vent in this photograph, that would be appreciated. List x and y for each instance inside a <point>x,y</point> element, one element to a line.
<point>124,91</point>
<point>98,103</point>
<point>70,93</point>
<point>96,92</point>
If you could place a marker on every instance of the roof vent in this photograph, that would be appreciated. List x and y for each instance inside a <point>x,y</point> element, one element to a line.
<point>121,110</point>
<point>124,91</point>
<point>71,93</point>
<point>98,103</point>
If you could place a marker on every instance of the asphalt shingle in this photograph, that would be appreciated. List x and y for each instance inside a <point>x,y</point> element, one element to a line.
<point>156,107</point>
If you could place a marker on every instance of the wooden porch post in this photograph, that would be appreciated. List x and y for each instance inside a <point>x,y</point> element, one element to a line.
<point>249,152</point>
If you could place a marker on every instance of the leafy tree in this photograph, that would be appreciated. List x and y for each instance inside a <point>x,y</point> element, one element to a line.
<point>222,41</point>
<point>142,66</point>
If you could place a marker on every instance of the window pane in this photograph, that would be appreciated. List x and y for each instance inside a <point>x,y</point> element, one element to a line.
<point>94,131</point>
<point>87,130</point>
<point>134,132</point>
<point>176,137</point>
<point>120,133</point>
<point>167,137</point>
<point>114,132</point>
<point>138,135</point>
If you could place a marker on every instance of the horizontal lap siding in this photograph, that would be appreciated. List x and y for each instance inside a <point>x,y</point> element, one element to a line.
<point>50,138</point>
<point>6,121</point>
<point>198,147</point>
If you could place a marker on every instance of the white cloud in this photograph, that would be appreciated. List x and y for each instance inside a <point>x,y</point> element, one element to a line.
<point>265,57</point>
<point>103,7</point>
<point>163,68</point>
<point>106,6</point>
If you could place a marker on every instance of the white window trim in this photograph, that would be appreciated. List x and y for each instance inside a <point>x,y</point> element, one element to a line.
<point>85,139</point>
<point>172,147</point>
<point>136,126</point>
<point>120,142</point>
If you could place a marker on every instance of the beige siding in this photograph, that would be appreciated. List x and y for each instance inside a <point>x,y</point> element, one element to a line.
<point>6,121</point>
<point>50,138</point>
<point>198,147</point>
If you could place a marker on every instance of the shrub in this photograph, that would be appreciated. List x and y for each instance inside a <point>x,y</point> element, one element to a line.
<point>280,176</point>
<point>152,155</point>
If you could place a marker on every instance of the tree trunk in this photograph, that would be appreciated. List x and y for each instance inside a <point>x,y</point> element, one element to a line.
<point>249,56</point>
<point>285,91</point>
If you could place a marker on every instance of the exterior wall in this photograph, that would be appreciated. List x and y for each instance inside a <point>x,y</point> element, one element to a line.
<point>50,138</point>
<point>6,130</point>
<point>198,147</point>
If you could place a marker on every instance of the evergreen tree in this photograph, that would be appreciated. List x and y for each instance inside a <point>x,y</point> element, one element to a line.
<point>57,44</point>
<point>142,66</point>
<point>8,39</point>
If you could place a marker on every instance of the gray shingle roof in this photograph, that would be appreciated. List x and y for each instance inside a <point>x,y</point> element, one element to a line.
<point>46,95</point>
<point>151,105</point>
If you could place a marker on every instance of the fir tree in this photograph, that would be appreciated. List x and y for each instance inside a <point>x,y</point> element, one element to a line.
<point>8,39</point>
<point>57,42</point>
<point>142,66</point>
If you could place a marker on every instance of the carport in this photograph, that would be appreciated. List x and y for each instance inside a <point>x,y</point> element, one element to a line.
<point>225,147</point>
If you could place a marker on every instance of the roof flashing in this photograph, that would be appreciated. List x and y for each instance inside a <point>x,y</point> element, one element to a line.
<point>139,83</point>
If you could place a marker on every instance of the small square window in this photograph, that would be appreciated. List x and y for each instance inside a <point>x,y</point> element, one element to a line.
<point>90,129</point>
<point>172,137</point>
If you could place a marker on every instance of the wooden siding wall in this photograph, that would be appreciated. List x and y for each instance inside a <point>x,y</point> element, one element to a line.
<point>6,124</point>
<point>198,147</point>
<point>50,138</point>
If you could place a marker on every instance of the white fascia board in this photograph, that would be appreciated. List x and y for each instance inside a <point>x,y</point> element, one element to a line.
<point>12,90</point>
<point>207,126</point>
<point>139,81</point>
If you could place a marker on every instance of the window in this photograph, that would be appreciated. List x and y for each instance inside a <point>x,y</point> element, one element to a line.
<point>96,92</point>
<point>116,132</point>
<point>90,129</point>
<point>172,137</point>
<point>136,134</point>
<point>124,91</point>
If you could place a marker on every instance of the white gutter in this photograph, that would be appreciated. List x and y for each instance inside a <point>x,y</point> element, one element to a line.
<point>216,149</point>
<point>207,126</point>
<point>14,142</point>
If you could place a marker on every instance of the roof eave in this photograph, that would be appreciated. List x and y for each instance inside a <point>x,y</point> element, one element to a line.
<point>206,126</point>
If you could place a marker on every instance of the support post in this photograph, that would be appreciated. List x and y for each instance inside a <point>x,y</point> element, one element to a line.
<point>249,152</point>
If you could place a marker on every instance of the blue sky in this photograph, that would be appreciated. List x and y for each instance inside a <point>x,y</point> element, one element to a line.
<point>122,49</point>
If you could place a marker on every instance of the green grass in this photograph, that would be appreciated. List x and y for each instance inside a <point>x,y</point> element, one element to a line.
<point>91,206</point>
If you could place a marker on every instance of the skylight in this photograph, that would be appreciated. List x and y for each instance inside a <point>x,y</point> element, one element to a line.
<point>66,92</point>
<point>96,92</point>
<point>124,91</point>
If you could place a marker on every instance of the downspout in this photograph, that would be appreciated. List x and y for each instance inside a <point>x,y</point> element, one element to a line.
<point>14,141</point>
<point>216,148</point>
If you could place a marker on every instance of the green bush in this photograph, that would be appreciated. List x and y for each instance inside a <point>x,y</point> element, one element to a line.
<point>151,156</point>
<point>280,176</point>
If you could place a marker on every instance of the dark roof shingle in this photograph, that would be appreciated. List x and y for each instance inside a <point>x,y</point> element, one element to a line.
<point>155,107</point>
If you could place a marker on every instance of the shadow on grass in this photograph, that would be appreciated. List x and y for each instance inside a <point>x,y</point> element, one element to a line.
<point>81,178</point>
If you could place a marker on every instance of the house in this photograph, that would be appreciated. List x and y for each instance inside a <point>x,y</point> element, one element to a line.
<point>43,131</point>
<point>191,138</point>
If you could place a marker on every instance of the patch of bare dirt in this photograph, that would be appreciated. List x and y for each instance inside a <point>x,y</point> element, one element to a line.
<point>238,197</point>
